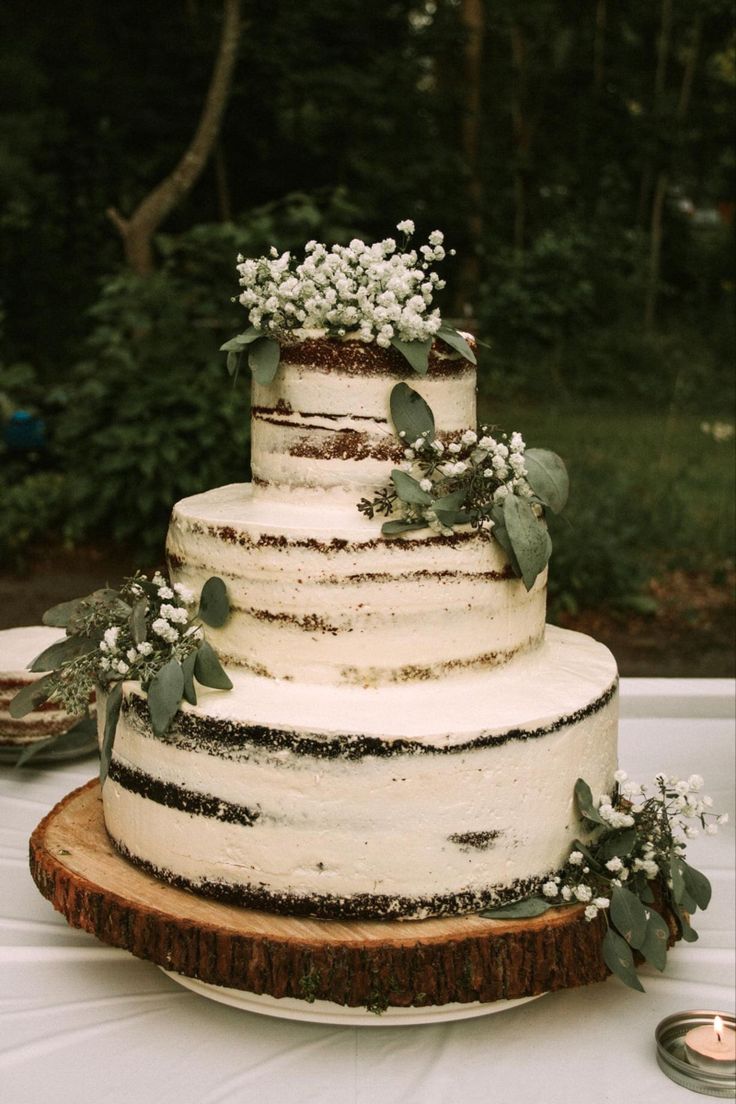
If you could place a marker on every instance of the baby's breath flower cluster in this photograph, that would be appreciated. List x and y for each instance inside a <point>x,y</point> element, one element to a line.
<point>483,466</point>
<point>372,292</point>
<point>127,647</point>
<point>634,856</point>
<point>658,825</point>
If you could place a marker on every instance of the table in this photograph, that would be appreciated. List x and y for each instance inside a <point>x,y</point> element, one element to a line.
<point>85,1023</point>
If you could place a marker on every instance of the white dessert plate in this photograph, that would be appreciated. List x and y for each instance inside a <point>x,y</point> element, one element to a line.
<point>327,1012</point>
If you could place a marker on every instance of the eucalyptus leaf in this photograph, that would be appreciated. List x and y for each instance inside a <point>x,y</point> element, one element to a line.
<point>547,476</point>
<point>31,696</point>
<point>416,352</point>
<point>518,910</point>
<point>628,916</point>
<point>584,798</point>
<point>678,880</point>
<point>240,341</point>
<point>58,617</point>
<point>263,359</point>
<point>588,855</point>
<point>696,884</point>
<point>214,604</point>
<point>411,414</point>
<point>137,620</point>
<point>528,538</point>
<point>233,364</point>
<point>687,932</point>
<point>456,341</point>
<point>187,667</point>
<point>408,489</point>
<point>617,845</point>
<point>165,692</point>
<point>393,528</point>
<point>71,647</point>
<point>450,518</point>
<point>654,947</point>
<point>208,670</point>
<point>619,959</point>
<point>452,501</point>
<point>500,534</point>
<point>112,714</point>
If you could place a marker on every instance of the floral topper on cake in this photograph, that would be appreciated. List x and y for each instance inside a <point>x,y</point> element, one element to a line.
<point>635,848</point>
<point>368,292</point>
<point>485,479</point>
<point>148,630</point>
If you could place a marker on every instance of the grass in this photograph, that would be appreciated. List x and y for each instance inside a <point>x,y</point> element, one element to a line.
<point>650,493</point>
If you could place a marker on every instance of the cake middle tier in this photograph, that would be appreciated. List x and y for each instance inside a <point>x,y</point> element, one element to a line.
<point>318,595</point>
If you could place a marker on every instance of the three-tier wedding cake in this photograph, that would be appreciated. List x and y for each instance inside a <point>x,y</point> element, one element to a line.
<point>403,736</point>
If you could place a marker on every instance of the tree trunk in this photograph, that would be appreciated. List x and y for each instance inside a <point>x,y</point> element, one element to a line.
<point>599,43</point>
<point>522,136</point>
<point>473,23</point>
<point>656,231</point>
<point>138,230</point>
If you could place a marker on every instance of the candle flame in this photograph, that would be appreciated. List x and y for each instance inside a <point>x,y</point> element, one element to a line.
<point>718,1028</point>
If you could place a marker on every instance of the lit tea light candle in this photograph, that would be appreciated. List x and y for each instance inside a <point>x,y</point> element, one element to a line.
<point>712,1047</point>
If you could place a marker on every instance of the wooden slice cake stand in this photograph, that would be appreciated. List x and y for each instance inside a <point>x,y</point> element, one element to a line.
<point>300,967</point>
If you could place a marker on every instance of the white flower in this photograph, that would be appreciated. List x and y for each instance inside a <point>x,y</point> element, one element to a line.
<point>601,902</point>
<point>165,592</point>
<point>145,648</point>
<point>454,447</point>
<point>166,631</point>
<point>620,776</point>
<point>404,227</point>
<point>488,443</point>
<point>177,614</point>
<point>582,892</point>
<point>158,579</point>
<point>131,655</point>
<point>105,664</point>
<point>722,819</point>
<point>566,893</point>
<point>425,484</point>
<point>591,912</point>
<point>185,594</point>
<point>469,437</point>
<point>576,858</point>
<point>695,782</point>
<point>550,889</point>
<point>649,868</point>
<point>435,238</point>
<point>111,637</point>
<point>122,667</point>
<point>419,444</point>
<point>614,864</point>
<point>409,454</point>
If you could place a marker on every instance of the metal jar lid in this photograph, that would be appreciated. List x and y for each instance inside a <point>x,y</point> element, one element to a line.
<point>670,1037</point>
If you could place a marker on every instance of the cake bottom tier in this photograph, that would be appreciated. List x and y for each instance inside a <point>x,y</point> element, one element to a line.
<point>351,802</point>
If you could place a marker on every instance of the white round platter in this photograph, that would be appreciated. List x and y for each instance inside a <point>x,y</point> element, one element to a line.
<point>327,1012</point>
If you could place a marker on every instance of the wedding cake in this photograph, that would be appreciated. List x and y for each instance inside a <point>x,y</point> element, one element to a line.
<point>403,736</point>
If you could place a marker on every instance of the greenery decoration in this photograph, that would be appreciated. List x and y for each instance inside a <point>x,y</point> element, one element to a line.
<point>370,292</point>
<point>484,479</point>
<point>144,631</point>
<point>637,841</point>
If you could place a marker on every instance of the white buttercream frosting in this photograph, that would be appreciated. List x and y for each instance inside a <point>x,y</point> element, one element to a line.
<point>319,595</point>
<point>392,826</point>
<point>18,648</point>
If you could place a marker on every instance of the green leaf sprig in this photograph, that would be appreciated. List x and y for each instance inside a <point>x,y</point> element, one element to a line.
<point>637,844</point>
<point>148,631</point>
<point>483,478</point>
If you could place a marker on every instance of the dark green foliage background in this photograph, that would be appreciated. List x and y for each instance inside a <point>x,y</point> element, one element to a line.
<point>344,118</point>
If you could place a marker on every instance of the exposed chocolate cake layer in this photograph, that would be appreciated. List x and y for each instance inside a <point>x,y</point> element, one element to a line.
<point>229,739</point>
<point>361,358</point>
<point>178,797</point>
<point>362,906</point>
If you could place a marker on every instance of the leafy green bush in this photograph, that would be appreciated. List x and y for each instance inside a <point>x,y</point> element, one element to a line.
<point>31,509</point>
<point>149,414</point>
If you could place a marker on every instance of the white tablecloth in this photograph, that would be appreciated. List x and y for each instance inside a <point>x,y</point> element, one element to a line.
<point>85,1023</point>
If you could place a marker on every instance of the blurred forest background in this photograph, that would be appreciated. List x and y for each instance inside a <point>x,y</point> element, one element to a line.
<point>577,154</point>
